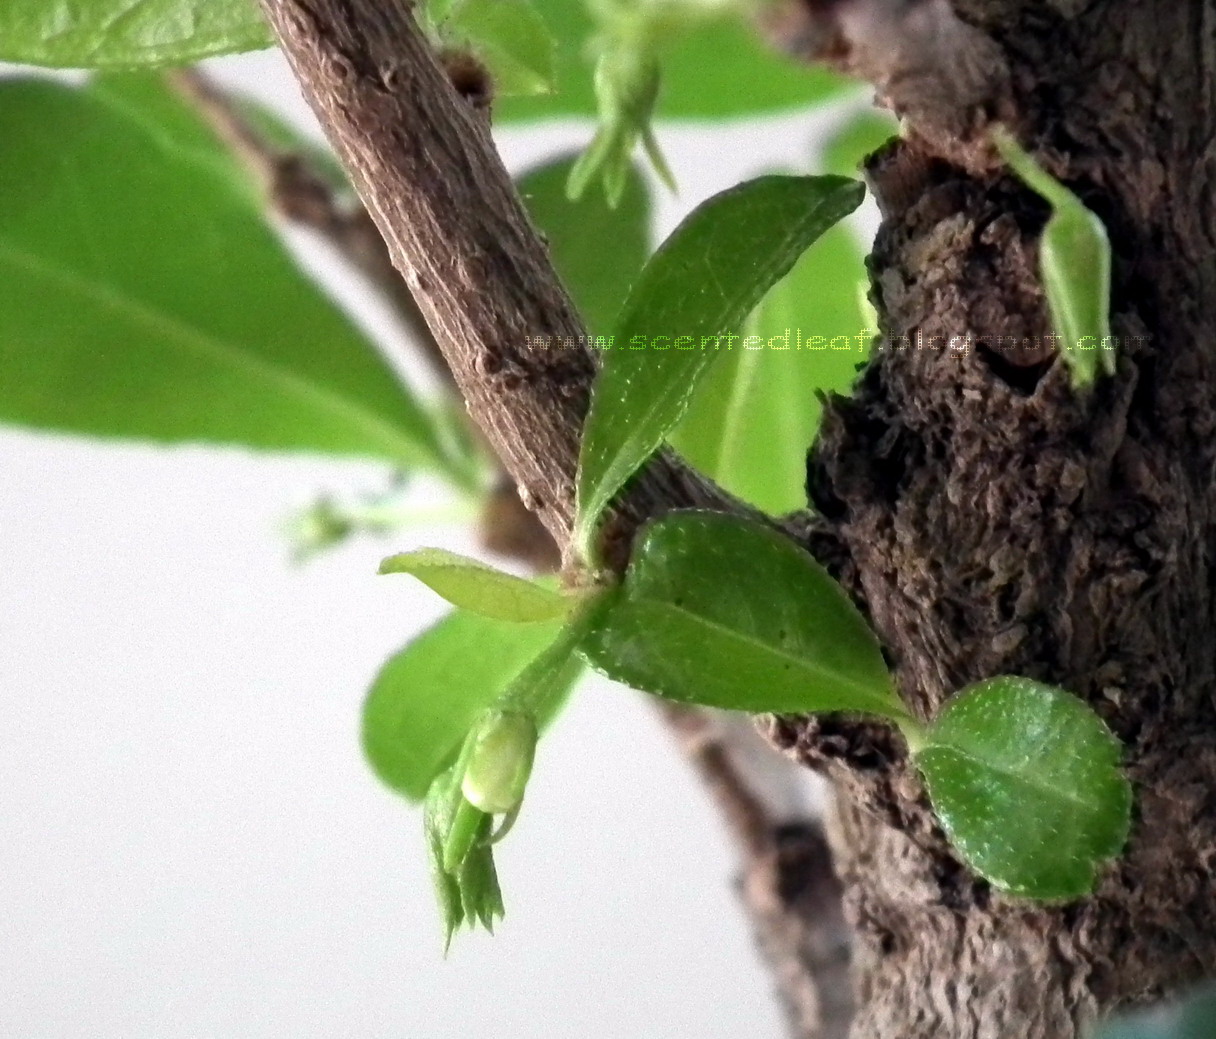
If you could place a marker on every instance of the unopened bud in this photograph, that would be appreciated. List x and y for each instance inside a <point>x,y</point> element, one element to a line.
<point>500,763</point>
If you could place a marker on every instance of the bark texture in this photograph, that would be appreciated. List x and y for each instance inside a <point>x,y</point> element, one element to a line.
<point>995,522</point>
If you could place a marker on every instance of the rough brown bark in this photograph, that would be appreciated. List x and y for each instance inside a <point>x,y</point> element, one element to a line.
<point>996,522</point>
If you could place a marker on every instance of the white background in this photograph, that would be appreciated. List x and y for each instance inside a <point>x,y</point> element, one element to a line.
<point>191,846</point>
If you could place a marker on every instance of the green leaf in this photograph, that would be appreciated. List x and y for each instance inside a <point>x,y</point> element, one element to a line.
<point>1025,779</point>
<point>699,286</point>
<point>427,697</point>
<point>757,411</point>
<point>125,34</point>
<point>859,138</point>
<point>1194,1018</point>
<point>598,250</point>
<point>511,39</point>
<point>1075,264</point>
<point>475,586</point>
<point>702,73</point>
<point>725,612</point>
<point>143,295</point>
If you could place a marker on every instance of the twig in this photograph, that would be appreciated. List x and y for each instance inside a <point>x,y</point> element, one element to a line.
<point>421,158</point>
<point>297,192</point>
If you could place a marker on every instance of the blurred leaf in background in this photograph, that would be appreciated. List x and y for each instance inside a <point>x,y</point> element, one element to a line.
<point>427,696</point>
<point>598,250</point>
<point>143,295</point>
<point>125,34</point>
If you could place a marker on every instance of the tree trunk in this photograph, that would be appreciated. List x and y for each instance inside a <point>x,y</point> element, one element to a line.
<point>994,521</point>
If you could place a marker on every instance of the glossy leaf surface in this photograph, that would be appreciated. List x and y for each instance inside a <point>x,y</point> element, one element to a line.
<point>757,411</point>
<point>695,291</point>
<point>725,612</point>
<point>1025,779</point>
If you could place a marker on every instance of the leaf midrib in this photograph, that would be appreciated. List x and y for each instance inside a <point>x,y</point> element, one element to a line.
<point>891,708</point>
<point>623,460</point>
<point>1019,778</point>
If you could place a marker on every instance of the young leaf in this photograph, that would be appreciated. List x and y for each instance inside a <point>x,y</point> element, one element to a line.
<point>702,71</point>
<point>1075,262</point>
<point>597,249</point>
<point>725,612</point>
<point>511,38</point>
<point>479,588</point>
<point>427,697</point>
<point>698,288</point>
<point>1025,780</point>
<point>757,410</point>
<point>143,295</point>
<point>127,34</point>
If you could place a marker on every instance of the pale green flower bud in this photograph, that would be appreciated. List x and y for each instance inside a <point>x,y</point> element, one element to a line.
<point>504,745</point>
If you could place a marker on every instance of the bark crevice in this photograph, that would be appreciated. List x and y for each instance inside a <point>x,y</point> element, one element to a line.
<point>997,522</point>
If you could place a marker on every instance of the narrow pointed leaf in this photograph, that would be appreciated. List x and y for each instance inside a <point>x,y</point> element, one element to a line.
<point>143,295</point>
<point>699,286</point>
<point>1025,779</point>
<point>126,34</point>
<point>597,249</point>
<point>479,588</point>
<point>427,696</point>
<point>727,613</point>
<point>757,411</point>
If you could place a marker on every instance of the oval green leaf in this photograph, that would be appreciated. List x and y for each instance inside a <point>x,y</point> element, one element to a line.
<point>728,613</point>
<point>695,291</point>
<point>1025,780</point>
<point>127,34</point>
<point>475,586</point>
<point>143,295</point>
<point>427,696</point>
<point>598,250</point>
